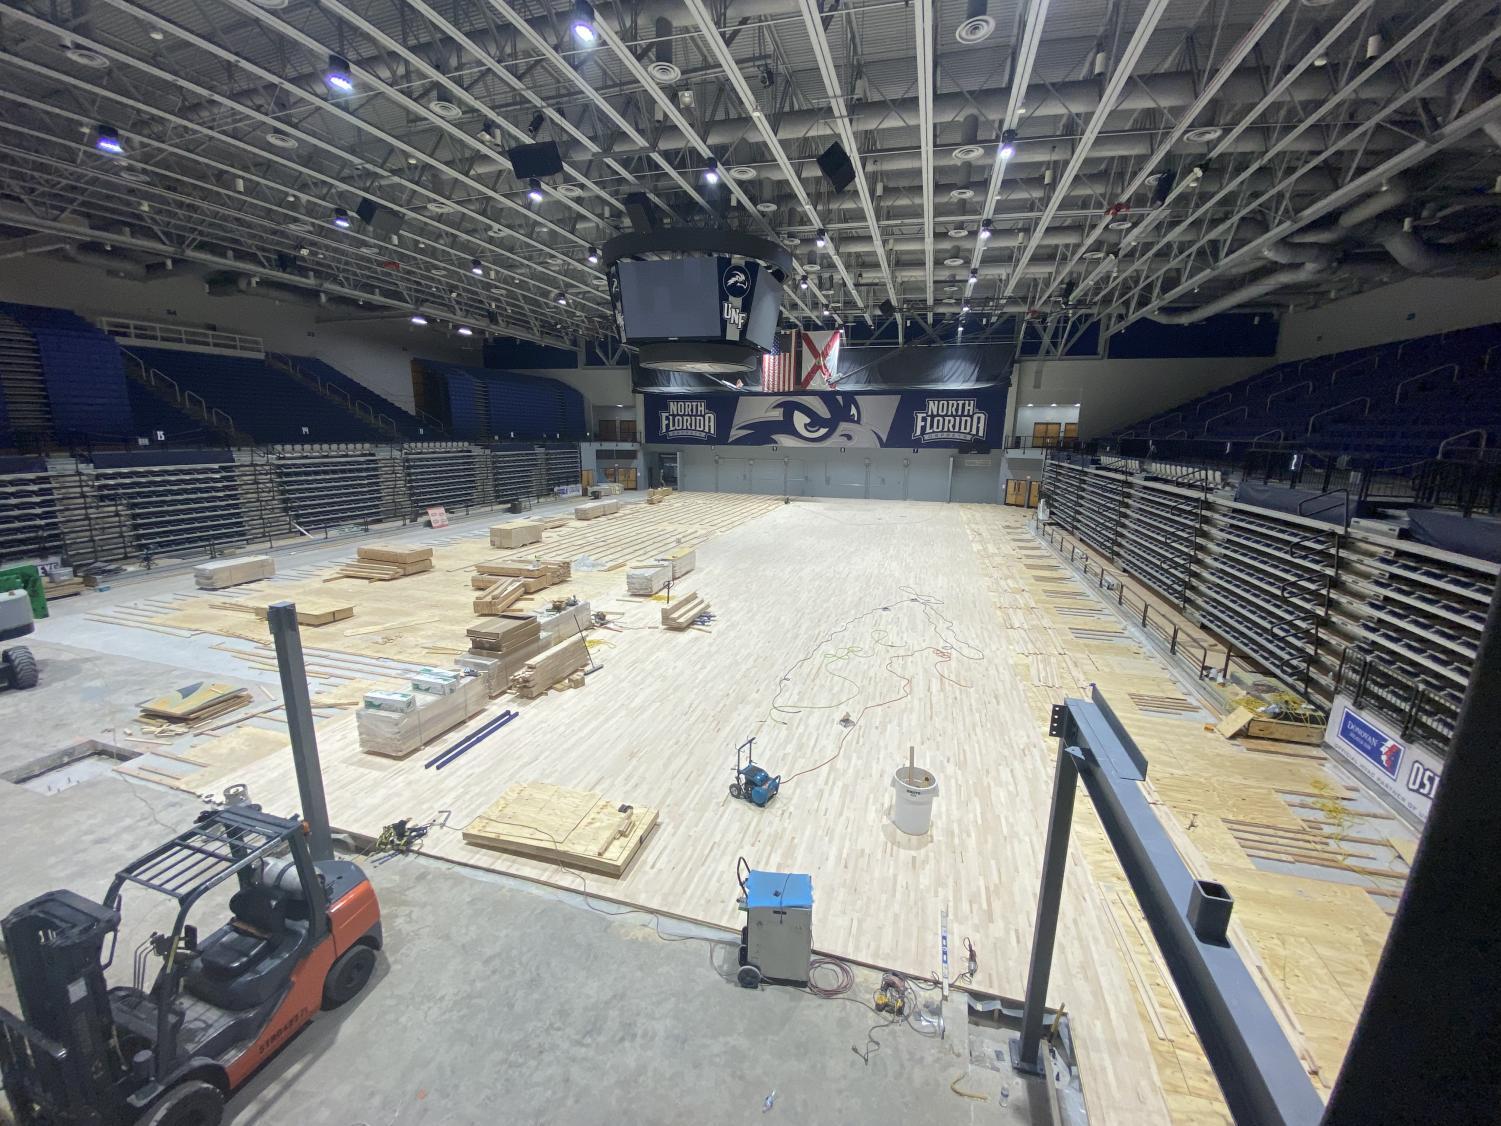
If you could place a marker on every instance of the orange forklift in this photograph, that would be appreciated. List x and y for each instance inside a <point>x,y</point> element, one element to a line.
<point>303,935</point>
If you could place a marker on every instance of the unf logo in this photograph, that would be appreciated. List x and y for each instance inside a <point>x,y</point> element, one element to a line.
<point>736,282</point>
<point>686,418</point>
<point>949,420</point>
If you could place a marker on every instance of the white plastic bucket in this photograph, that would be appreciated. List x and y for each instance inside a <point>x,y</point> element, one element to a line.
<point>912,808</point>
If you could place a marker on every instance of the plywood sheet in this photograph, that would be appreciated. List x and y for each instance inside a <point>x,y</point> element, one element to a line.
<point>575,828</point>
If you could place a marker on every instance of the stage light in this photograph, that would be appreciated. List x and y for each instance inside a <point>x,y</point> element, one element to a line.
<point>1008,144</point>
<point>465,330</point>
<point>593,256</point>
<point>561,298</point>
<point>985,229</point>
<point>535,125</point>
<point>107,139</point>
<point>476,267</point>
<point>822,240</point>
<point>802,282</point>
<point>583,21</point>
<point>534,190</point>
<point>418,319</point>
<point>711,171</point>
<point>337,76</point>
<point>341,218</point>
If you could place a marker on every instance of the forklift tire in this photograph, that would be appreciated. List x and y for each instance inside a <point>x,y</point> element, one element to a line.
<point>194,1103</point>
<point>348,975</point>
<point>20,667</point>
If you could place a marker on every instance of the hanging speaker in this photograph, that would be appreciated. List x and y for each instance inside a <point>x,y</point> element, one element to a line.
<point>835,164</point>
<point>382,221</point>
<point>535,162</point>
<point>888,310</point>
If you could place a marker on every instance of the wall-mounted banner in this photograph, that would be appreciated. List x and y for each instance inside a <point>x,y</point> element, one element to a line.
<point>1408,774</point>
<point>912,418</point>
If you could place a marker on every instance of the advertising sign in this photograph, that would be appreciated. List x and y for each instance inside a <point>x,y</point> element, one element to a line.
<point>913,419</point>
<point>1408,774</point>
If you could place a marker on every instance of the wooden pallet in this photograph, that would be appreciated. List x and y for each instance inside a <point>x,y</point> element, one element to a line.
<point>575,828</point>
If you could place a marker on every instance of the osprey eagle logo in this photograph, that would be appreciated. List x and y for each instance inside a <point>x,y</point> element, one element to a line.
<point>736,282</point>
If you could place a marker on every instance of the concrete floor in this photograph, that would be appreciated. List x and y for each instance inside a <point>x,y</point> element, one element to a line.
<point>496,1001</point>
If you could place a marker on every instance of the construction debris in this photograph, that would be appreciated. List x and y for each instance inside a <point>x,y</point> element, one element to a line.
<point>683,611</point>
<point>544,670</point>
<point>575,828</point>
<point>646,578</point>
<point>518,533</point>
<point>196,702</point>
<point>232,572</point>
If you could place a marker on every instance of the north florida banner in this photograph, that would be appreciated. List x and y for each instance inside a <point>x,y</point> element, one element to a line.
<point>913,419</point>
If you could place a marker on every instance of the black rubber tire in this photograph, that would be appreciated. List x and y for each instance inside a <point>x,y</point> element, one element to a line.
<point>735,791</point>
<point>194,1103</point>
<point>748,977</point>
<point>348,975</point>
<point>20,667</point>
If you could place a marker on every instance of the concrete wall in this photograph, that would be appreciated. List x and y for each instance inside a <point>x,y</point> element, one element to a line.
<point>1112,393</point>
<point>890,474</point>
<point>377,353</point>
<point>1416,307</point>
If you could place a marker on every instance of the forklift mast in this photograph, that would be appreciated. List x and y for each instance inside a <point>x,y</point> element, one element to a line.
<point>56,947</point>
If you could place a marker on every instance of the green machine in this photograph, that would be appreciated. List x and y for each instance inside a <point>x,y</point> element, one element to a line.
<point>22,600</point>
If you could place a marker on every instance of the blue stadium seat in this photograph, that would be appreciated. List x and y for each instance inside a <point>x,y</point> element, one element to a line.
<point>408,426</point>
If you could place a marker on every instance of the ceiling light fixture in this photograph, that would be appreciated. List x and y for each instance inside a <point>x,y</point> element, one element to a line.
<point>336,75</point>
<point>822,239</point>
<point>985,229</point>
<point>107,140</point>
<point>534,190</point>
<point>476,267</point>
<point>802,282</point>
<point>465,330</point>
<point>711,170</point>
<point>561,298</point>
<point>1008,144</point>
<point>583,22</point>
<point>418,319</point>
<point>280,140</point>
<point>341,218</point>
<point>593,256</point>
<point>974,276</point>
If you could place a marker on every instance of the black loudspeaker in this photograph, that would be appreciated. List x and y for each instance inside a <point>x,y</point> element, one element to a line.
<point>835,164</point>
<point>642,212</point>
<point>536,161</point>
<point>382,221</point>
<point>888,310</point>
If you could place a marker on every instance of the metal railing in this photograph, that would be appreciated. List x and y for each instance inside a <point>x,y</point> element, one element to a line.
<point>180,336</point>
<point>1366,399</point>
<point>1267,406</point>
<point>1442,446</point>
<point>1453,368</point>
<point>1211,400</point>
<point>1242,410</point>
<point>361,409</point>
<point>1375,684</point>
<point>1374,359</point>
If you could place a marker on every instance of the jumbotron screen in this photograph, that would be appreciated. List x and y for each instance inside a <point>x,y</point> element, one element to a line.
<point>695,297</point>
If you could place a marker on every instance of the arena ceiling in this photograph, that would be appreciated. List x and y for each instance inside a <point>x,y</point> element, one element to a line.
<point>1169,154</point>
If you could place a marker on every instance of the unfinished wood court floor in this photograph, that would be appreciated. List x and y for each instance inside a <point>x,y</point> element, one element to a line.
<point>848,631</point>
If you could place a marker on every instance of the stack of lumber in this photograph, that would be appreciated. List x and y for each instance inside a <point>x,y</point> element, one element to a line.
<point>567,621</point>
<point>488,670</point>
<point>62,588</point>
<point>596,508</point>
<point>682,559</point>
<point>518,533</point>
<point>397,734</point>
<point>506,634</point>
<point>194,703</point>
<point>381,564</point>
<point>498,597</point>
<point>647,577</point>
<point>534,574</point>
<point>232,572</point>
<point>657,496</point>
<point>683,611</point>
<point>576,828</point>
<point>544,670</point>
<point>604,489</point>
<point>308,613</point>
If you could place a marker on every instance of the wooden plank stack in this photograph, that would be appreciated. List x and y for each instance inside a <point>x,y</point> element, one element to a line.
<point>544,670</point>
<point>498,597</point>
<point>518,533</point>
<point>504,643</point>
<point>682,559</point>
<point>232,572</point>
<point>604,489</point>
<point>596,508</point>
<point>563,621</point>
<point>657,496</point>
<point>647,577</point>
<point>535,574</point>
<point>683,611</point>
<point>575,828</point>
<point>194,703</point>
<point>382,564</point>
<point>397,734</point>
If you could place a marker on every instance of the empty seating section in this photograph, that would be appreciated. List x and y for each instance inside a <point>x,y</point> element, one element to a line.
<point>407,425</point>
<point>172,503</point>
<point>28,510</point>
<point>266,404</point>
<point>325,488</point>
<point>1322,607</point>
<point>82,372</point>
<point>1403,399</point>
<point>488,405</point>
<point>153,415</point>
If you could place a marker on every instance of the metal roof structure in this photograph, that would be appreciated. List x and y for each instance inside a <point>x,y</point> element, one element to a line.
<point>1171,156</point>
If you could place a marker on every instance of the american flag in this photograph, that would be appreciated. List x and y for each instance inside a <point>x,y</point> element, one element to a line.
<point>779,366</point>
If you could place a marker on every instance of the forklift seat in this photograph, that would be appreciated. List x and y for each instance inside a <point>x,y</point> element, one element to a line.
<point>245,962</point>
